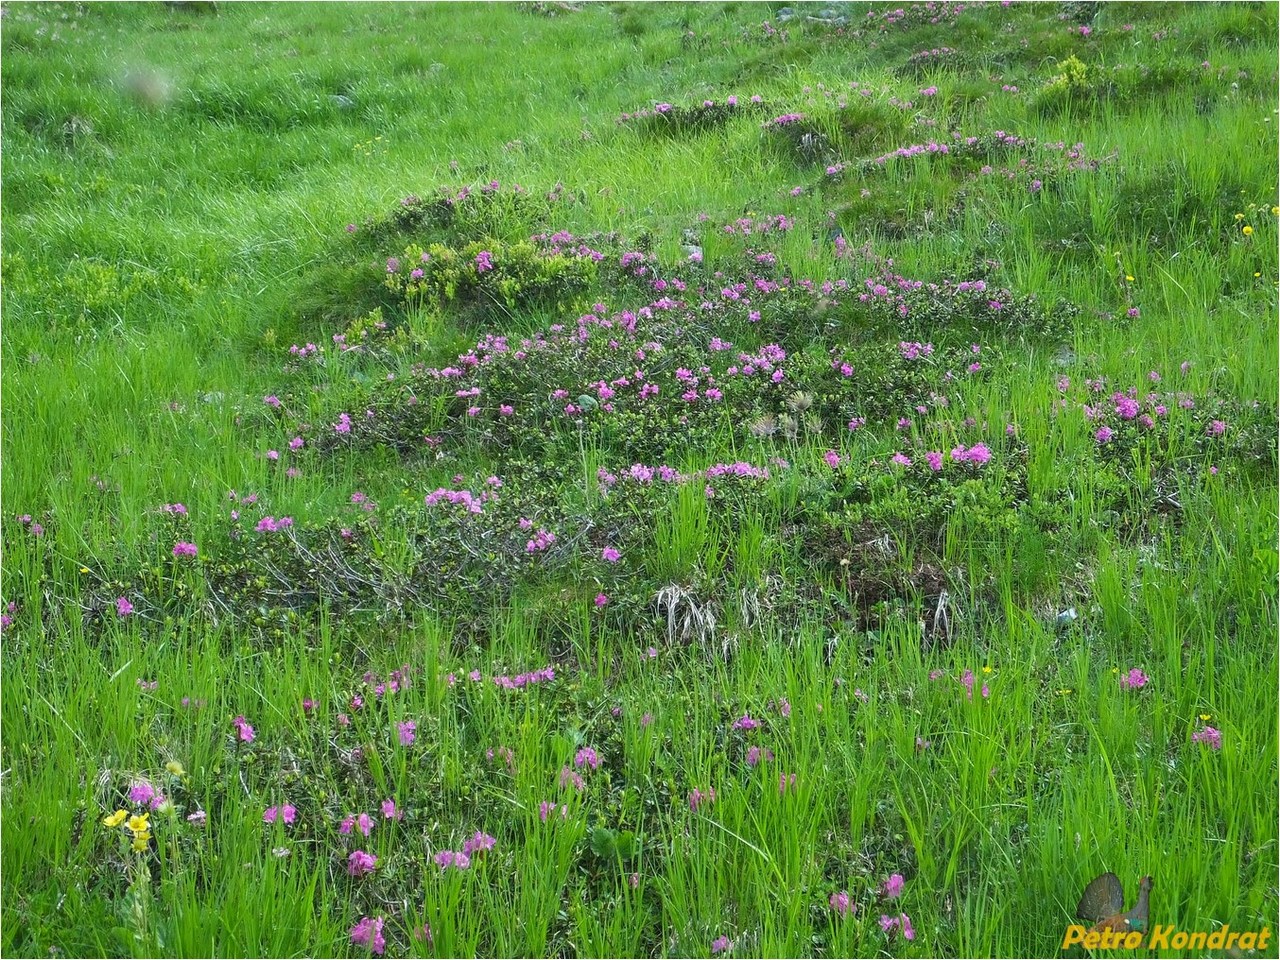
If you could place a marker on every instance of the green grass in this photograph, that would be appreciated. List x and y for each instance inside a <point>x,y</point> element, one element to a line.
<point>178,184</point>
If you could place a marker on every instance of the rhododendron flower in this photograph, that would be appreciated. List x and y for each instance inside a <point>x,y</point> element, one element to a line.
<point>1135,679</point>
<point>360,863</point>
<point>243,730</point>
<point>892,888</point>
<point>408,732</point>
<point>288,813</point>
<point>1210,736</point>
<point>368,933</point>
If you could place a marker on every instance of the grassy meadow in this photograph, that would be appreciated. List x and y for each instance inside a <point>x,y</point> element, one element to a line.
<point>635,479</point>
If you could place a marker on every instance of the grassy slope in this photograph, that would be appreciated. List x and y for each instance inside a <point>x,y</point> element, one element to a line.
<point>153,263</point>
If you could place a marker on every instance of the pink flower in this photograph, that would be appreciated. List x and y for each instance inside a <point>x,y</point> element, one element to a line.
<point>610,555</point>
<point>479,843</point>
<point>892,888</point>
<point>368,933</point>
<point>1210,736</point>
<point>180,549</point>
<point>1135,679</point>
<point>586,757</point>
<point>697,798</point>
<point>901,459</point>
<point>601,599</point>
<point>1217,428</point>
<point>832,458</point>
<point>721,944</point>
<point>840,904</point>
<point>243,730</point>
<point>1104,434</point>
<point>141,793</point>
<point>901,922</point>
<point>360,863</point>
<point>389,811</point>
<point>288,813</point>
<point>198,818</point>
<point>123,607</point>
<point>408,732</point>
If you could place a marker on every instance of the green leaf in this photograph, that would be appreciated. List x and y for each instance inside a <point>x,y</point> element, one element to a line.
<point>603,843</point>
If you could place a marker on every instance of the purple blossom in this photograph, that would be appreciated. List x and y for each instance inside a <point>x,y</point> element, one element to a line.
<point>1211,736</point>
<point>1135,679</point>
<point>841,905</point>
<point>142,793</point>
<point>408,732</point>
<point>368,933</point>
<point>892,888</point>
<point>360,863</point>
<point>123,607</point>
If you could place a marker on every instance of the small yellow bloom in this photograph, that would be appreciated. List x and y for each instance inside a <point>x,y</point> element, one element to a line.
<point>1206,717</point>
<point>1065,691</point>
<point>115,819</point>
<point>138,824</point>
<point>1256,274</point>
<point>174,767</point>
<point>1275,211</point>
<point>84,569</point>
<point>1128,279</point>
<point>1239,216</point>
<point>986,669</point>
<point>1247,230</point>
<point>140,841</point>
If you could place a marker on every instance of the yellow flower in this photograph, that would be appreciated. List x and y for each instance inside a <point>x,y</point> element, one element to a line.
<point>1065,691</point>
<point>174,767</point>
<point>115,819</point>
<point>1275,211</point>
<point>1128,279</point>
<point>986,669</point>
<point>140,841</point>
<point>1247,230</point>
<point>1256,274</point>
<point>1239,216</point>
<point>138,824</point>
<point>1206,717</point>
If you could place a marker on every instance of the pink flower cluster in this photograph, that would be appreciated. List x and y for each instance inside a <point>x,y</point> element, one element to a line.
<point>545,675</point>
<point>1135,679</point>
<point>542,540</point>
<point>473,503</point>
<point>287,813</point>
<point>368,934</point>
<point>479,844</point>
